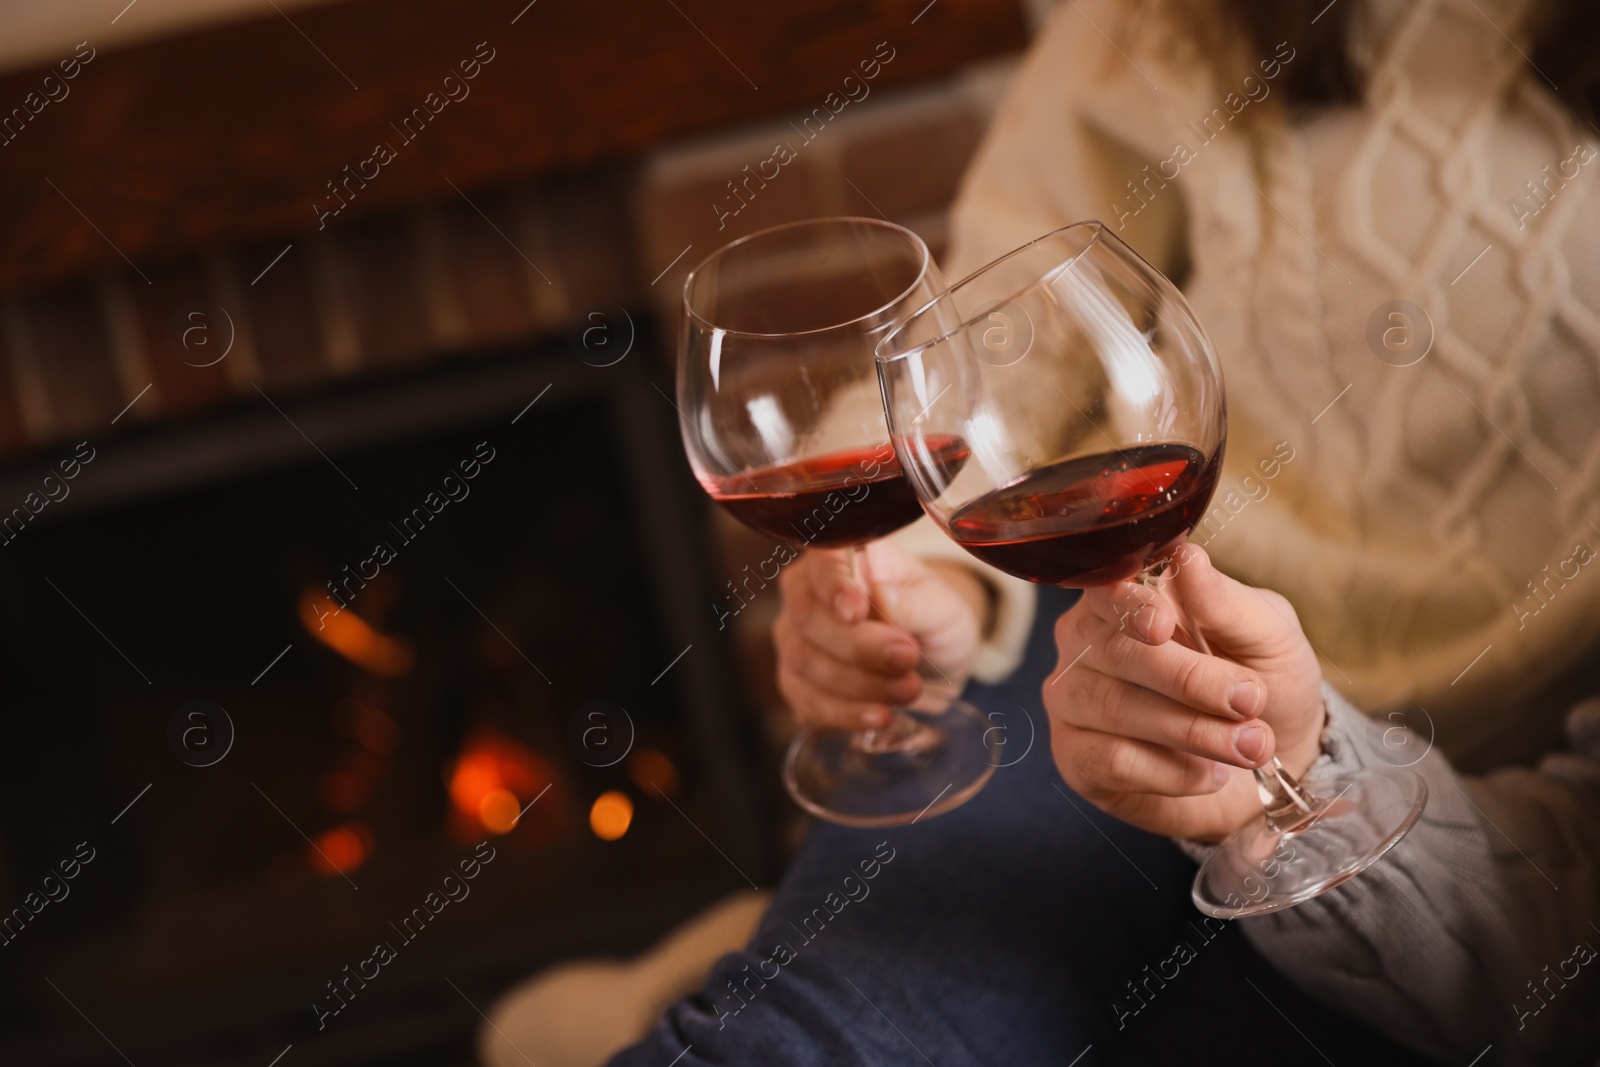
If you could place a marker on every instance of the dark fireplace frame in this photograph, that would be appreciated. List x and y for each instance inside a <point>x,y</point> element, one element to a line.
<point>417,1023</point>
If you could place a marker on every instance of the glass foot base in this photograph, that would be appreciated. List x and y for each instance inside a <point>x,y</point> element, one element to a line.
<point>1261,869</point>
<point>831,775</point>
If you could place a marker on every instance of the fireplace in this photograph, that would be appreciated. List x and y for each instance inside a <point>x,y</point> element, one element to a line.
<point>360,636</point>
<point>396,664</point>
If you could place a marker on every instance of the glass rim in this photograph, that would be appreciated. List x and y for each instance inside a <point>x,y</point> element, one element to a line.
<point>1095,225</point>
<point>917,242</point>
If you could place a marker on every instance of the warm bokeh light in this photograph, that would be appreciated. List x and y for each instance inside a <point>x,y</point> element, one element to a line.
<point>352,637</point>
<point>498,811</point>
<point>341,849</point>
<point>652,771</point>
<point>611,815</point>
<point>493,777</point>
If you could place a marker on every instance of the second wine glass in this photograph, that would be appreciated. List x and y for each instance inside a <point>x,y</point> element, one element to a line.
<point>1092,405</point>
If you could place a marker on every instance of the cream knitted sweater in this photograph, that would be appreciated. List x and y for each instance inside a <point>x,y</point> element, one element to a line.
<point>1435,524</point>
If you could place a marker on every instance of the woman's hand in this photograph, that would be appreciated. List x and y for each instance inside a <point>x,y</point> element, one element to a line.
<point>841,663</point>
<point>1162,736</point>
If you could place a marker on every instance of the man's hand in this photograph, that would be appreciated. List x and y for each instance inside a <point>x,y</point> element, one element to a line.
<point>843,658</point>
<point>1161,736</point>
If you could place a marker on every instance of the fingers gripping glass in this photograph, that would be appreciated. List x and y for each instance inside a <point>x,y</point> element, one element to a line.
<point>784,427</point>
<point>1090,404</point>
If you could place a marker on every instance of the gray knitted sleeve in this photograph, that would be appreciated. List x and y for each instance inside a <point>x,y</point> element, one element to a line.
<point>1481,927</point>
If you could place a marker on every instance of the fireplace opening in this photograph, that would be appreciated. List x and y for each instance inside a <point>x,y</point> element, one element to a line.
<point>332,703</point>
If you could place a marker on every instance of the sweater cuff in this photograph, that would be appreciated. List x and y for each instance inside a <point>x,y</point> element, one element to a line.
<point>1349,740</point>
<point>1015,600</point>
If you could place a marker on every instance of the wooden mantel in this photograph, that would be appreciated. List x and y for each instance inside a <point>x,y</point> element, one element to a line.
<point>233,133</point>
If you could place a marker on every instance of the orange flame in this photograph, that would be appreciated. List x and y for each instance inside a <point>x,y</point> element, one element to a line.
<point>493,777</point>
<point>352,636</point>
<point>341,849</point>
<point>611,815</point>
<point>653,772</point>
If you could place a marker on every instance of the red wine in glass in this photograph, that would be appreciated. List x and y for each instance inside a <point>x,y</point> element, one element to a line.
<point>781,414</point>
<point>1073,337</point>
<point>838,499</point>
<point>1090,520</point>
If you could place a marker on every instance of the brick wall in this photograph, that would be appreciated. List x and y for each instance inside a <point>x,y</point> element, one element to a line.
<point>484,269</point>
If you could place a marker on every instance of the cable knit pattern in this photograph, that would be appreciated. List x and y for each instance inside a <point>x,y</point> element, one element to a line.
<point>1431,497</point>
<point>1437,943</point>
<point>1453,451</point>
<point>1436,528</point>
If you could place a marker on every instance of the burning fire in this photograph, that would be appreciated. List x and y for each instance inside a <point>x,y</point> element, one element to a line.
<point>493,778</point>
<point>341,849</point>
<point>352,636</point>
<point>611,815</point>
<point>653,772</point>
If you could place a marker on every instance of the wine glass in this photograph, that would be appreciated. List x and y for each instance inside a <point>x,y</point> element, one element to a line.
<point>1091,403</point>
<point>783,424</point>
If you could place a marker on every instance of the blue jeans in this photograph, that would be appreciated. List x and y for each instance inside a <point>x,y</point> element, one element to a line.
<point>1024,927</point>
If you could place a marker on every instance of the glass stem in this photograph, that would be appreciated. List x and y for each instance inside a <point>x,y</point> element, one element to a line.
<point>903,732</point>
<point>1287,803</point>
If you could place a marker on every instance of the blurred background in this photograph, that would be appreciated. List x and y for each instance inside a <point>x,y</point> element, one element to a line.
<point>344,523</point>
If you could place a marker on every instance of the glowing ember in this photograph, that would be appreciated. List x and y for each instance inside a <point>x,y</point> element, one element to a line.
<point>652,771</point>
<point>341,849</point>
<point>352,636</point>
<point>611,815</point>
<point>493,778</point>
<point>498,811</point>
